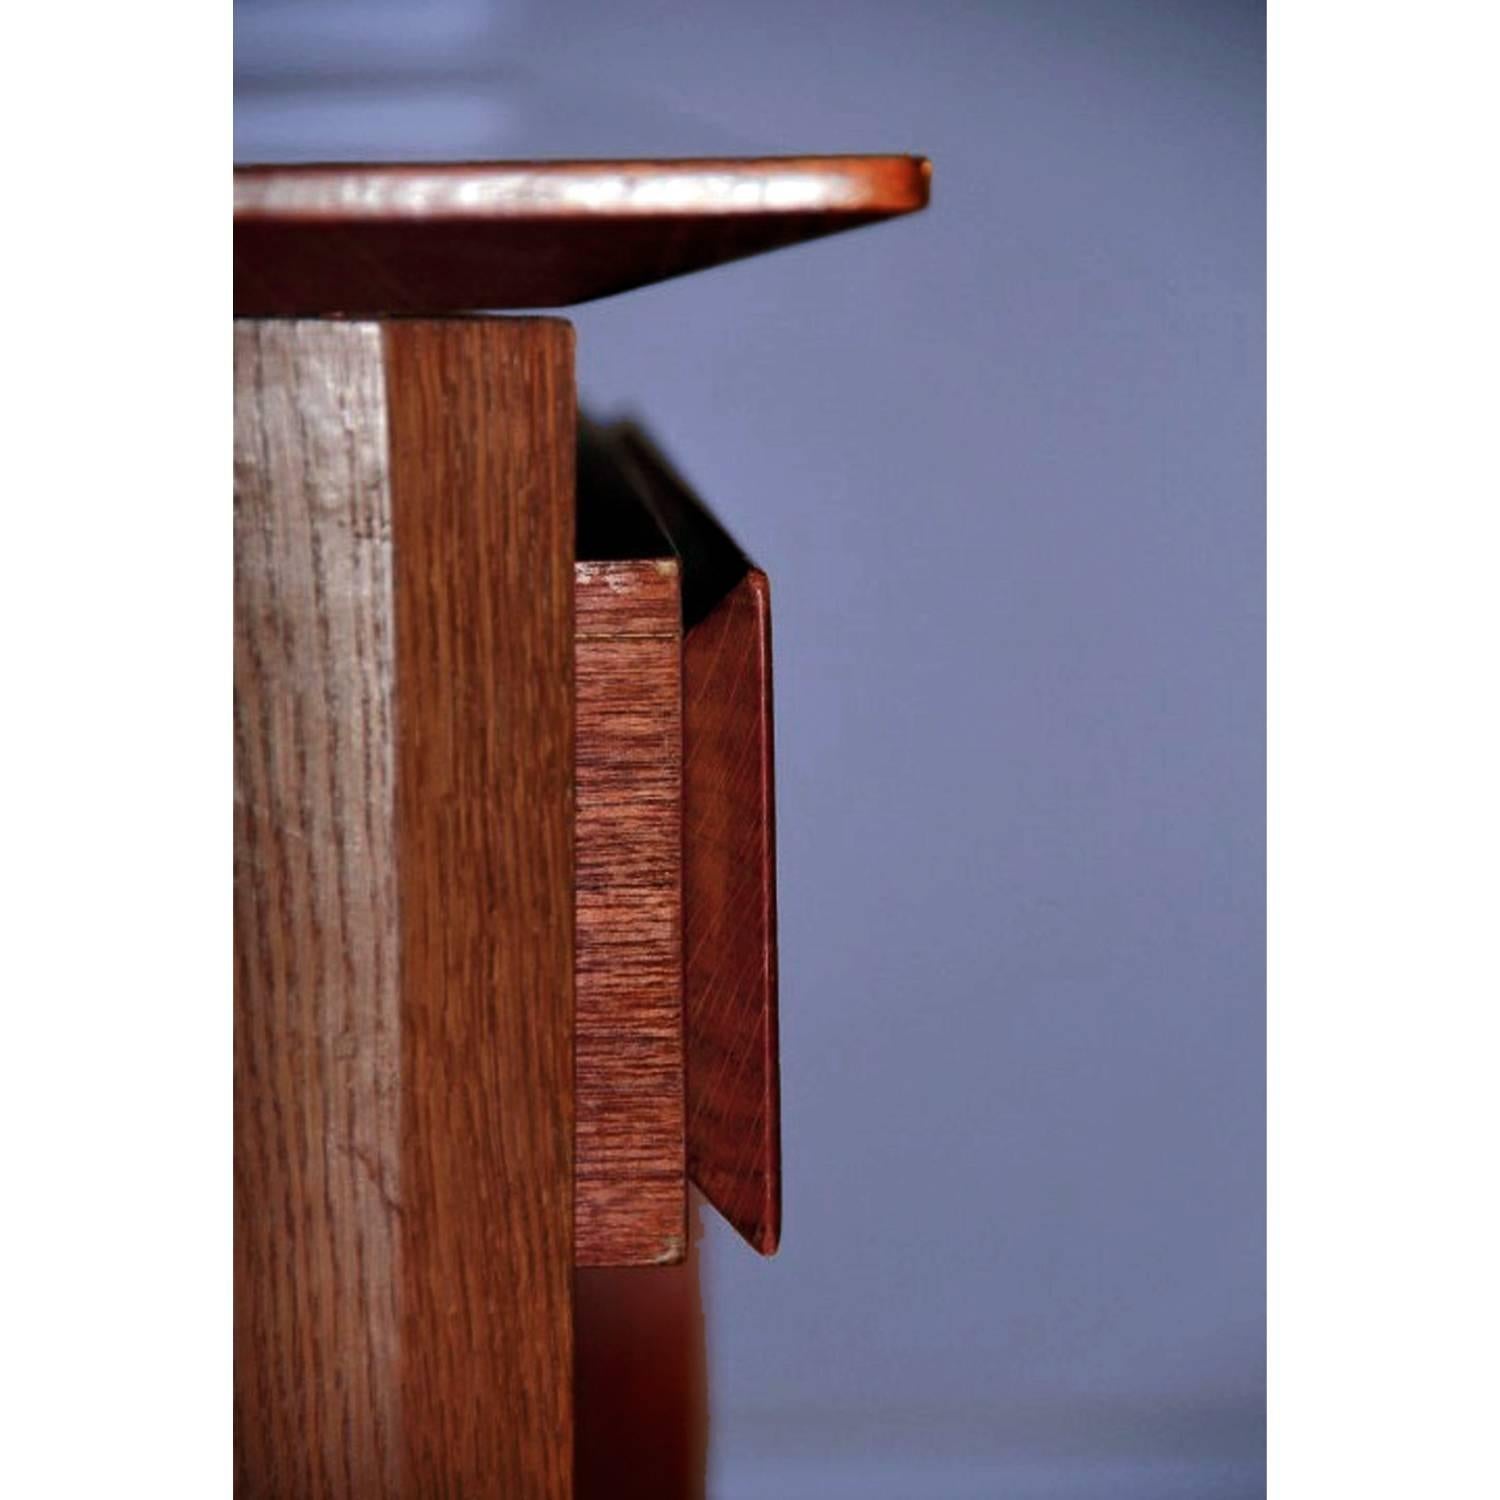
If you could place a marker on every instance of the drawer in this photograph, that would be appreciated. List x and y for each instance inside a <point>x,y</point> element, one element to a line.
<point>675,1038</point>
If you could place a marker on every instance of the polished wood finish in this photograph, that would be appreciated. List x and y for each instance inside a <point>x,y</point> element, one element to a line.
<point>408,1207</point>
<point>631,1176</point>
<point>404,909</point>
<point>433,238</point>
<point>729,855</point>
<point>729,913</point>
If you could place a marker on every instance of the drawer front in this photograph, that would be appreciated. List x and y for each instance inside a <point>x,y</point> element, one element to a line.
<point>677,1068</point>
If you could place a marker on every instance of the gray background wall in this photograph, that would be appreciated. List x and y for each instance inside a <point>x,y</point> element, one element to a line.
<point>1004,465</point>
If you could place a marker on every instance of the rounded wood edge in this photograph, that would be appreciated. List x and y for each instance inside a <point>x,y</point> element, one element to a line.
<point>865,186</point>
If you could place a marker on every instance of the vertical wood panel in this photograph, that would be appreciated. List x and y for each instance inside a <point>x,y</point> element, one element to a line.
<point>317,1056</point>
<point>482,436</point>
<point>632,1174</point>
<point>403,909</point>
<point>729,913</point>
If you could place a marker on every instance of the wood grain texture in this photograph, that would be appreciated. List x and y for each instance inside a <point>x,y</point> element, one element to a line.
<point>451,237</point>
<point>403,909</point>
<point>631,1174</point>
<point>729,913</point>
<point>317,1076</point>
<point>482,424</point>
<point>729,853</point>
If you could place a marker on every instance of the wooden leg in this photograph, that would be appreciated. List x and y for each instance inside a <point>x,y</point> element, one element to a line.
<point>404,908</point>
<point>642,1395</point>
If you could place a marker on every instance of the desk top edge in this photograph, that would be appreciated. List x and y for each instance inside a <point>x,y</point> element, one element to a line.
<point>706,188</point>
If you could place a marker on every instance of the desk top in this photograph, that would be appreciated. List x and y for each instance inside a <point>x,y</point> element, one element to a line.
<point>365,240</point>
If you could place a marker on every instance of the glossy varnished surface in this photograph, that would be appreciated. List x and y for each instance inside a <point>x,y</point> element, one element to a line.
<point>410,238</point>
<point>729,913</point>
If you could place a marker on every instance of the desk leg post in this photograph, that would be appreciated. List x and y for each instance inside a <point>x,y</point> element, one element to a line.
<point>403,1086</point>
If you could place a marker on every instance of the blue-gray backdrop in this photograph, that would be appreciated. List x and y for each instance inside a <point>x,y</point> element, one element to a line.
<point>1004,463</point>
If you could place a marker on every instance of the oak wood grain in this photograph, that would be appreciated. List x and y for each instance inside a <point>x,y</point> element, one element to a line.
<point>317,1013</point>
<point>729,855</point>
<point>631,1173</point>
<point>403,1078</point>
<point>482,430</point>
<point>449,237</point>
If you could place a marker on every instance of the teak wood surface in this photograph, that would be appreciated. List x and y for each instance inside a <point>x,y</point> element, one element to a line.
<point>403,1080</point>
<point>430,238</point>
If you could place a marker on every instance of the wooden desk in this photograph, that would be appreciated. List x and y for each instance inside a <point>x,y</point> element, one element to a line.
<point>504,857</point>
